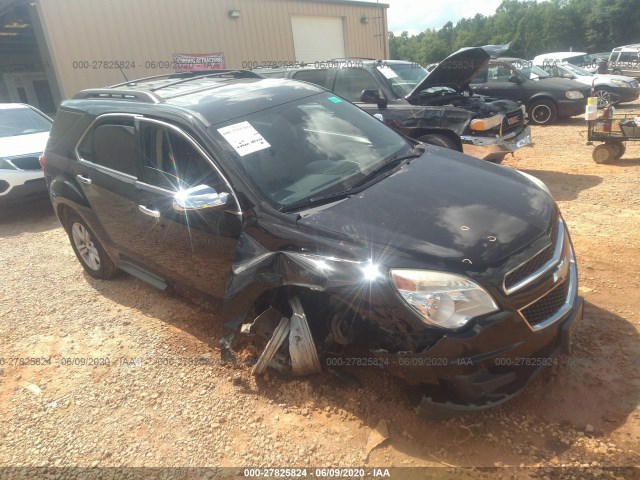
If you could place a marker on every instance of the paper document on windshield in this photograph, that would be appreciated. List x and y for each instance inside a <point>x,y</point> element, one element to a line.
<point>244,138</point>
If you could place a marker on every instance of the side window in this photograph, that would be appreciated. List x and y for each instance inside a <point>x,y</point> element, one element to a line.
<point>499,73</point>
<point>317,77</point>
<point>350,82</point>
<point>112,144</point>
<point>171,161</point>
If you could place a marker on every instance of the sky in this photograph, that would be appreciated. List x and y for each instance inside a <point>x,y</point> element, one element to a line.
<point>415,16</point>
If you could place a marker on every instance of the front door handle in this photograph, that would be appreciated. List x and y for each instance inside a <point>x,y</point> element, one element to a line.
<point>85,180</point>
<point>148,211</point>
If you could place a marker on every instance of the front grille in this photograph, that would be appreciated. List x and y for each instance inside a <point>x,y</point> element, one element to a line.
<point>533,264</point>
<point>27,162</point>
<point>512,122</point>
<point>547,306</point>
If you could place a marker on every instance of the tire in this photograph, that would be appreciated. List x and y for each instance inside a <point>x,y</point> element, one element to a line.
<point>604,97</point>
<point>617,72</point>
<point>543,112</point>
<point>604,153</point>
<point>439,141</point>
<point>88,249</point>
<point>618,148</point>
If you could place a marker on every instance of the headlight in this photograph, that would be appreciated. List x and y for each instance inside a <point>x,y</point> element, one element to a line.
<point>4,165</point>
<point>486,123</point>
<point>621,83</point>
<point>573,95</point>
<point>442,299</point>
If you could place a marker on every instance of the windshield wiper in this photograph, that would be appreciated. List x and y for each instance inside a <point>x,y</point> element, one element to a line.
<point>314,201</point>
<point>391,163</point>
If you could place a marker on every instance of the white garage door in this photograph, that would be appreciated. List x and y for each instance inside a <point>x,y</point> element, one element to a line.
<point>317,38</point>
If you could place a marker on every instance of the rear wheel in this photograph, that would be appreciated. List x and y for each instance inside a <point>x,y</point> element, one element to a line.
<point>88,249</point>
<point>439,141</point>
<point>618,148</point>
<point>543,112</point>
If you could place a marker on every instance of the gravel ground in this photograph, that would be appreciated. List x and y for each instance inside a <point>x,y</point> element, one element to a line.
<point>122,375</point>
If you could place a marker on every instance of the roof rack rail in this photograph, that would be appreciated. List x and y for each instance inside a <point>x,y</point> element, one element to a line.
<point>105,93</point>
<point>184,75</point>
<point>235,73</point>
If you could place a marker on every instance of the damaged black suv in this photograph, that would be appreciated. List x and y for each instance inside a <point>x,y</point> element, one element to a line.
<point>436,107</point>
<point>319,229</point>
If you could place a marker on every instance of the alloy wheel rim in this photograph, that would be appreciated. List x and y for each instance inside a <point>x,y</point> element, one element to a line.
<point>603,98</point>
<point>85,246</point>
<point>541,113</point>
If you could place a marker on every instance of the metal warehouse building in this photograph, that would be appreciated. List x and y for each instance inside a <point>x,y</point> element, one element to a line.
<point>50,49</point>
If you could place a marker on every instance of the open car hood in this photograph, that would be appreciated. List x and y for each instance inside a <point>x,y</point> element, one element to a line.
<point>455,71</point>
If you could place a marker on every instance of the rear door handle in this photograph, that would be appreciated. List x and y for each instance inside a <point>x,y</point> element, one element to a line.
<point>85,180</point>
<point>148,211</point>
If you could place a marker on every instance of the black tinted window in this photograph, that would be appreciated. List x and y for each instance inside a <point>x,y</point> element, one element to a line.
<point>113,145</point>
<point>317,77</point>
<point>171,161</point>
<point>350,82</point>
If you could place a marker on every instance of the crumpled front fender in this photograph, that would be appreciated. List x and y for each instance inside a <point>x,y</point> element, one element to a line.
<point>256,270</point>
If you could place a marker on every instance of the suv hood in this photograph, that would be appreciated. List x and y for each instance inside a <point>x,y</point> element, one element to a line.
<point>443,210</point>
<point>455,71</point>
<point>23,144</point>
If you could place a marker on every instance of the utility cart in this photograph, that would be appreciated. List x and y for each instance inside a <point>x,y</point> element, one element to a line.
<point>613,129</point>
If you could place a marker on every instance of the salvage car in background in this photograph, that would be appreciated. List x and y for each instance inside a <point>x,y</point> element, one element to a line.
<point>320,229</point>
<point>434,106</point>
<point>24,131</point>
<point>546,98</point>
<point>609,89</point>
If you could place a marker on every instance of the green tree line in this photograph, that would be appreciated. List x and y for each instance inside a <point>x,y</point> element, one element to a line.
<point>531,27</point>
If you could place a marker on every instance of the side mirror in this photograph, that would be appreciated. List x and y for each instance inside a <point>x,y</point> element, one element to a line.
<point>373,96</point>
<point>514,79</point>
<point>197,198</point>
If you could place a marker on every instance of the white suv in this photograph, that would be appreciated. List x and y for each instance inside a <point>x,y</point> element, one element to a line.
<point>625,60</point>
<point>24,132</point>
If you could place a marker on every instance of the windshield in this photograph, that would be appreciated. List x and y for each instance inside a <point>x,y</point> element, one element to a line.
<point>576,70</point>
<point>531,71</point>
<point>313,147</point>
<point>22,121</point>
<point>403,77</point>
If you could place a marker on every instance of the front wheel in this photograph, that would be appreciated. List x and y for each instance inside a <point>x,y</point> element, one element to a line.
<point>543,112</point>
<point>604,97</point>
<point>439,141</point>
<point>604,153</point>
<point>88,249</point>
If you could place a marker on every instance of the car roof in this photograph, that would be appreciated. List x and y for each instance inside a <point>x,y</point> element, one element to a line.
<point>508,59</point>
<point>7,106</point>
<point>214,98</point>
<point>560,55</point>
<point>633,47</point>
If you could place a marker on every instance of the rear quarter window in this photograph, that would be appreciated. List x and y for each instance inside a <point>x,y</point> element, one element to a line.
<point>67,129</point>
